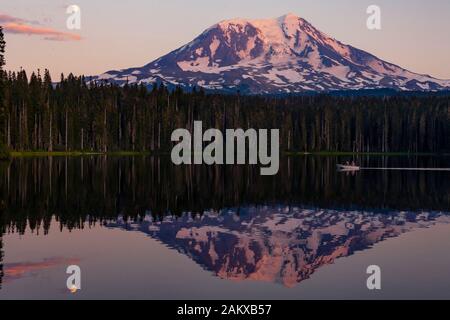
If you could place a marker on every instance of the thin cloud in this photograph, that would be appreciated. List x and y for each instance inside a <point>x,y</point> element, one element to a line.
<point>48,33</point>
<point>17,25</point>
<point>5,18</point>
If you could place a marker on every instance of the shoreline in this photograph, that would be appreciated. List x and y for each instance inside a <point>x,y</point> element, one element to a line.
<point>26,154</point>
<point>30,154</point>
<point>348,153</point>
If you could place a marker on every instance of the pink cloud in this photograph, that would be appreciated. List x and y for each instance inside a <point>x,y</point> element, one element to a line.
<point>48,33</point>
<point>18,25</point>
<point>5,18</point>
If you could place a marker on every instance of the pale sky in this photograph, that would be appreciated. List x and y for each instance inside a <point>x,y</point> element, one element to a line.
<point>120,34</point>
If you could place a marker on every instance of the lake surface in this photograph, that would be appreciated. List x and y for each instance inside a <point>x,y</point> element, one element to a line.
<point>139,227</point>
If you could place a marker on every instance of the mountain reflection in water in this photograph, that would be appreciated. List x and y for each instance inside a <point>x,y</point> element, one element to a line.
<point>276,244</point>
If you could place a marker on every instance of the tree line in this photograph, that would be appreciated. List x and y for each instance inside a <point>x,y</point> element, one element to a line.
<point>80,115</point>
<point>75,115</point>
<point>3,151</point>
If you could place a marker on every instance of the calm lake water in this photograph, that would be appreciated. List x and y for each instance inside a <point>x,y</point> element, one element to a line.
<point>141,228</point>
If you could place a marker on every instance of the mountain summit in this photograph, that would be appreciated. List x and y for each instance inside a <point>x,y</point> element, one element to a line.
<point>272,56</point>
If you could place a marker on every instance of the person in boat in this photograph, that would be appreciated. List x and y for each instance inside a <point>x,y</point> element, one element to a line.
<point>353,164</point>
<point>347,163</point>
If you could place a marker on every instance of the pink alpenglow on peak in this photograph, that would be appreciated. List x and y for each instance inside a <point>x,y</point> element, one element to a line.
<point>272,56</point>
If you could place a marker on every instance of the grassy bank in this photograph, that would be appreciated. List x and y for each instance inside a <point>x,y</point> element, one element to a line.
<point>24,154</point>
<point>344,153</point>
<point>351,154</point>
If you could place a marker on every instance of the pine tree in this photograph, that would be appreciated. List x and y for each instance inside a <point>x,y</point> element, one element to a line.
<point>4,153</point>
<point>2,49</point>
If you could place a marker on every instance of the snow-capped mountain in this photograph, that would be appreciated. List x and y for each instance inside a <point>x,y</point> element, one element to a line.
<point>272,56</point>
<point>277,244</point>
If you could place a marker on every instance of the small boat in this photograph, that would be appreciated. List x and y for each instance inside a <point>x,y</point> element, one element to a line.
<point>343,167</point>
